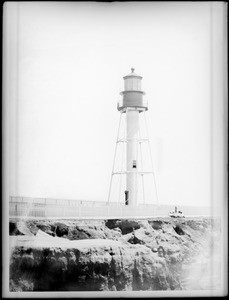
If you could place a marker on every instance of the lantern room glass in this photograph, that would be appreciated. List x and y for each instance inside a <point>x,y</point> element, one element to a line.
<point>133,84</point>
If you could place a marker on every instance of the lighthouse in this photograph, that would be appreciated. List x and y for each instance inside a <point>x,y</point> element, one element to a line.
<point>131,106</point>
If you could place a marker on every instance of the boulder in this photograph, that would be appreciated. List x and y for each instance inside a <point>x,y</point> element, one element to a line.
<point>126,225</point>
<point>157,224</point>
<point>83,265</point>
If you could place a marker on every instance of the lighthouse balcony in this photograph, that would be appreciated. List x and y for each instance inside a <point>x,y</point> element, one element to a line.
<point>139,104</point>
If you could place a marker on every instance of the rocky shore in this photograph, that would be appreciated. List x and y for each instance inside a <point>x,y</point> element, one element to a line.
<point>114,255</point>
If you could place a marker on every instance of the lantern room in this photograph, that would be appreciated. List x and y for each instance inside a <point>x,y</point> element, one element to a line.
<point>132,82</point>
<point>132,94</point>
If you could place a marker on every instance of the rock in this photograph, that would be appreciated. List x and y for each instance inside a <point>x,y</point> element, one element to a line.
<point>172,248</point>
<point>179,230</point>
<point>77,234</point>
<point>19,228</point>
<point>156,224</point>
<point>42,234</point>
<point>32,226</point>
<point>114,234</point>
<point>21,285</point>
<point>105,255</point>
<point>13,230</point>
<point>61,229</point>
<point>44,226</point>
<point>102,263</point>
<point>126,226</point>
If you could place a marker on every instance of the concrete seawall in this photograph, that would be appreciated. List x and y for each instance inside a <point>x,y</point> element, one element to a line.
<point>56,208</point>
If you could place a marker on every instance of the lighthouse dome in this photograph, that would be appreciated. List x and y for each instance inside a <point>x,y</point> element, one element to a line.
<point>132,74</point>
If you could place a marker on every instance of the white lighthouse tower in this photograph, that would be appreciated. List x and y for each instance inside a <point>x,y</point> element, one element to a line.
<point>131,106</point>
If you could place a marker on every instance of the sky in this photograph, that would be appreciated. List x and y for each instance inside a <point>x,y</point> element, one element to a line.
<point>71,58</point>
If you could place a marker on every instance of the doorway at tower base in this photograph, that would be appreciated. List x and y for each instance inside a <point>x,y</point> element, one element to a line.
<point>128,202</point>
<point>126,197</point>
